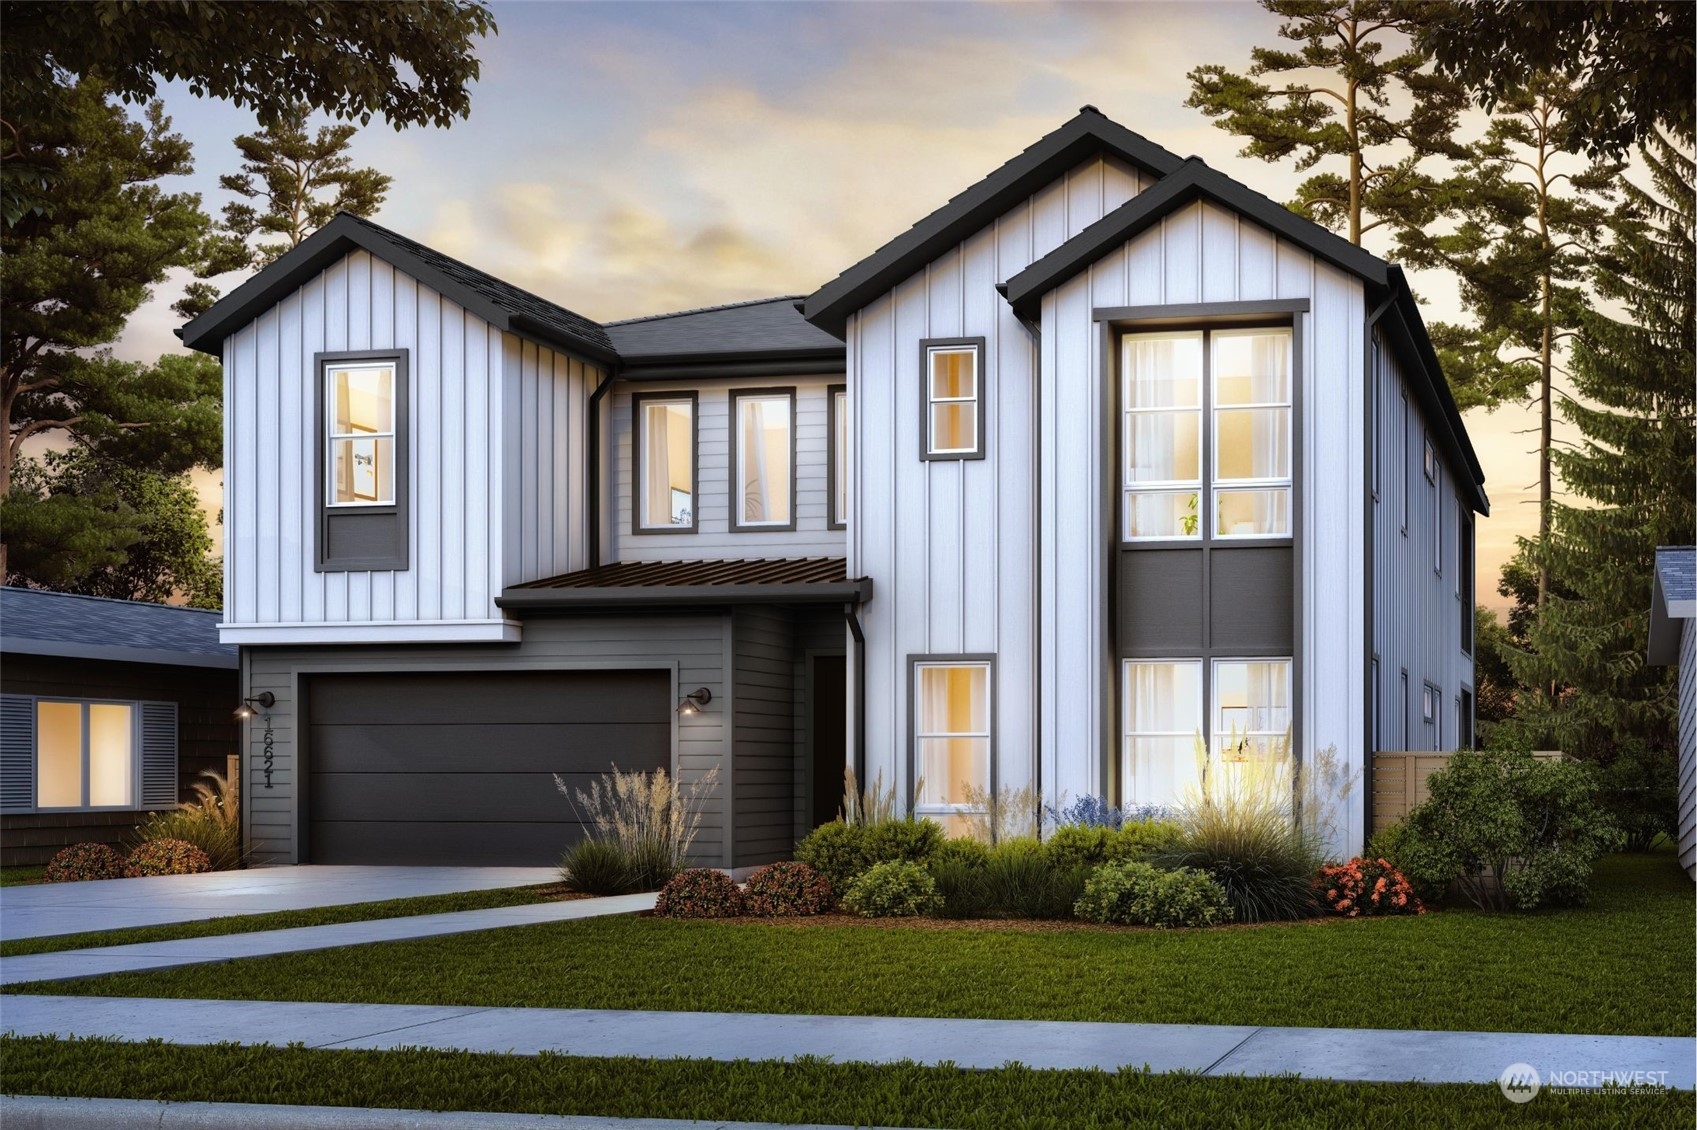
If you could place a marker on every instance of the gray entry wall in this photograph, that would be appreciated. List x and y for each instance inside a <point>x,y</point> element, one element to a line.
<point>457,767</point>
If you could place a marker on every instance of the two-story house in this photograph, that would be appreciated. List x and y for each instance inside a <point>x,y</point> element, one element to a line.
<point>1107,452</point>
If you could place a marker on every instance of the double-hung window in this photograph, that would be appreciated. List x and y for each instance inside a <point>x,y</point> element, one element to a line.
<point>763,458</point>
<point>1239,382</point>
<point>954,398</point>
<point>361,440</point>
<point>952,713</point>
<point>1241,708</point>
<point>665,463</point>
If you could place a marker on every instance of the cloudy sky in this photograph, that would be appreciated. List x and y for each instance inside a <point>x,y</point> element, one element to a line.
<point>626,159</point>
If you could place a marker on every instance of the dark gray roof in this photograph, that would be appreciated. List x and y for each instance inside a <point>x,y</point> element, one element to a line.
<point>36,622</point>
<point>1676,568</point>
<point>786,580</point>
<point>500,303</point>
<point>1673,601</point>
<point>770,327</point>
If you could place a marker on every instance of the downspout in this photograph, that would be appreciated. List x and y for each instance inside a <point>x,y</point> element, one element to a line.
<point>601,390</point>
<point>853,619</point>
<point>1370,704</point>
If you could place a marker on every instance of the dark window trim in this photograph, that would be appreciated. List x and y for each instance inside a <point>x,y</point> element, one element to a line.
<point>980,401</point>
<point>833,520</point>
<point>1465,738</point>
<point>735,490</point>
<point>1430,693</point>
<point>637,401</point>
<point>957,659</point>
<point>401,508</point>
<point>1234,314</point>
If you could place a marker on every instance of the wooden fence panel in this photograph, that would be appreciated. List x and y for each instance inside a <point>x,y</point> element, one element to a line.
<point>1399,780</point>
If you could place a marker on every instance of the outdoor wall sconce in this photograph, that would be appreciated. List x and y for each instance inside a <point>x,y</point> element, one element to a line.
<point>694,701</point>
<point>264,700</point>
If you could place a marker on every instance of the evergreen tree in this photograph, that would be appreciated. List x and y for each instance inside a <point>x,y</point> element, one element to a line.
<point>1339,109</point>
<point>1634,468</point>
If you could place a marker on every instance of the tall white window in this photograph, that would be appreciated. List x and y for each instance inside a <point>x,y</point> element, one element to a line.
<point>1251,706</point>
<point>1241,381</point>
<point>839,457</point>
<point>666,463</point>
<point>951,734</point>
<point>1163,717</point>
<point>361,440</point>
<point>764,455</point>
<point>85,754</point>
<point>952,399</point>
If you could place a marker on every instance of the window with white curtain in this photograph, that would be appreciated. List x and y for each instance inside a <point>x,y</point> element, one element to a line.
<point>665,463</point>
<point>361,440</point>
<point>764,453</point>
<point>85,754</point>
<point>951,736</point>
<point>1240,380</point>
<point>1163,718</point>
<point>1251,706</point>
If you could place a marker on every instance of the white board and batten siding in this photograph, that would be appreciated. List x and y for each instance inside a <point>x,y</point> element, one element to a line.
<point>953,544</point>
<point>1198,254</point>
<point>492,420</point>
<point>714,538</point>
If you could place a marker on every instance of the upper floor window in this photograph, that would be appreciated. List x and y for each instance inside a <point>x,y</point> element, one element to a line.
<point>954,388</point>
<point>665,463</point>
<point>361,433</point>
<point>838,518</point>
<point>763,458</point>
<point>1240,382</point>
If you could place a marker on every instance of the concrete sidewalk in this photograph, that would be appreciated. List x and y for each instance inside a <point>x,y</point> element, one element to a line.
<point>114,904</point>
<point>1353,1055</point>
<point>68,964</point>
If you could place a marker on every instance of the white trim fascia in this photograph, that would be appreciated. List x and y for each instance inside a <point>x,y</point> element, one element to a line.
<point>1682,609</point>
<point>374,631</point>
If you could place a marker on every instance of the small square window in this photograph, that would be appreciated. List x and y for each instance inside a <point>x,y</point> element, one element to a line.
<point>1428,703</point>
<point>953,400</point>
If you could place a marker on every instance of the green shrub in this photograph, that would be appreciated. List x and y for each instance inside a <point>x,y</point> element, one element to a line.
<point>961,888</point>
<point>597,867</point>
<point>912,840</point>
<point>1512,831</point>
<point>1426,870</point>
<point>700,892</point>
<point>166,857</point>
<point>968,852</point>
<point>1077,845</point>
<point>837,851</point>
<point>894,889</point>
<point>1138,894</point>
<point>1254,849</point>
<point>81,862</point>
<point>652,817</point>
<point>1021,882</point>
<point>1141,840</point>
<point>211,822</point>
<point>788,890</point>
<point>1640,788</point>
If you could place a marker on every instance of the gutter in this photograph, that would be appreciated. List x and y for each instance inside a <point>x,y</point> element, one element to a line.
<point>852,616</point>
<point>595,398</point>
<point>648,596</point>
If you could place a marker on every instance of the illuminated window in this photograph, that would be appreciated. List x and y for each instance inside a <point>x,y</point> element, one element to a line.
<point>361,434</point>
<point>665,471</point>
<point>763,424</point>
<point>85,754</point>
<point>953,401</point>
<point>951,734</point>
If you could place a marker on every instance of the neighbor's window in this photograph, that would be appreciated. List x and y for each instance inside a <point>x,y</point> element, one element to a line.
<point>1464,720</point>
<point>85,754</point>
<point>763,440</point>
<point>953,428</point>
<point>839,458</point>
<point>1163,717</point>
<point>362,433</point>
<point>1251,706</point>
<point>1428,703</point>
<point>1239,379</point>
<point>951,734</point>
<point>666,467</point>
<point>1407,471</point>
<point>1437,511</point>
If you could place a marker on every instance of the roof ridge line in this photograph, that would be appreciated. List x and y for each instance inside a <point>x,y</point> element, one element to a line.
<point>113,600</point>
<point>706,309</point>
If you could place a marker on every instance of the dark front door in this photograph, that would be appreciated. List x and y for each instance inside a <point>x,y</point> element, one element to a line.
<point>458,768</point>
<point>830,736</point>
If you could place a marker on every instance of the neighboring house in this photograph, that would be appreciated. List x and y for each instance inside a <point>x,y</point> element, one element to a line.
<point>109,709</point>
<point>1106,452</point>
<point>1673,640</point>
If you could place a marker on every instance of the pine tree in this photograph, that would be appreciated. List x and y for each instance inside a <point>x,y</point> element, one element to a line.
<point>1340,105</point>
<point>1634,468</point>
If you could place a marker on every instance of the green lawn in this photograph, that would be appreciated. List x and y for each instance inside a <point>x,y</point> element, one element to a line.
<point>20,876</point>
<point>1622,965</point>
<point>808,1091</point>
<point>283,920</point>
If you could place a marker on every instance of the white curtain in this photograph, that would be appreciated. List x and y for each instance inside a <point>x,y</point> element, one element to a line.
<point>656,469</point>
<point>755,483</point>
<point>1163,708</point>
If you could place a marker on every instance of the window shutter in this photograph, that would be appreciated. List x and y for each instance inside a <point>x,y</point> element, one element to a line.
<point>158,754</point>
<point>17,753</point>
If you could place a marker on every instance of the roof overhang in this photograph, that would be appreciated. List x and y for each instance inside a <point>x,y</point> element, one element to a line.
<point>1667,622</point>
<point>749,363</point>
<point>160,657</point>
<point>345,233</point>
<point>698,584</point>
<point>1085,136</point>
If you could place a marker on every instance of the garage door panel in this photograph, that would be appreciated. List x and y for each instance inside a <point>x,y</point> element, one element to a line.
<point>422,844</point>
<point>547,697</point>
<point>451,797</point>
<point>591,748</point>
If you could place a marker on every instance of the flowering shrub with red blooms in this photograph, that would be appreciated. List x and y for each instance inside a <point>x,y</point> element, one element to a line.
<point>700,892</point>
<point>166,857</point>
<point>787,889</point>
<point>1366,887</point>
<point>84,861</point>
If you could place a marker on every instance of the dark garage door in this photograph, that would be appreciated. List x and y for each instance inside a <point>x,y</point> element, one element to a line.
<point>458,768</point>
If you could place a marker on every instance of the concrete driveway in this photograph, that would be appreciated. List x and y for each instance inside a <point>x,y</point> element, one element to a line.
<point>113,904</point>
